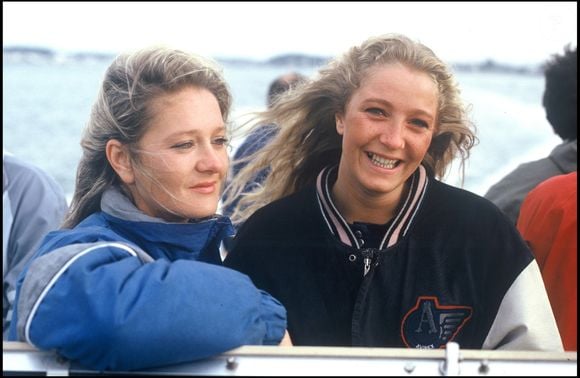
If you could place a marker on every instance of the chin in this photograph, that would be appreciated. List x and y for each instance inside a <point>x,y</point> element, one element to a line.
<point>379,185</point>
<point>203,214</point>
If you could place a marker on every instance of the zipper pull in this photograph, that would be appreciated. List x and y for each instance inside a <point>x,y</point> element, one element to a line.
<point>368,258</point>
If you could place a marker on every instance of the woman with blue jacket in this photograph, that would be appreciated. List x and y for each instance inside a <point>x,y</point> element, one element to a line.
<point>133,280</point>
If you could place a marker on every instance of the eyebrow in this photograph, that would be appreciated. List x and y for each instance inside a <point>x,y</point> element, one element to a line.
<point>218,129</point>
<point>388,104</point>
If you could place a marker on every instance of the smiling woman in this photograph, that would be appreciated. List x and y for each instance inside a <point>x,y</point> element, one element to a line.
<point>387,127</point>
<point>356,235</point>
<point>135,282</point>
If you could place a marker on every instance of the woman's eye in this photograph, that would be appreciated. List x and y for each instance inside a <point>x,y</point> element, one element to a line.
<point>420,123</point>
<point>376,111</point>
<point>183,146</point>
<point>221,141</point>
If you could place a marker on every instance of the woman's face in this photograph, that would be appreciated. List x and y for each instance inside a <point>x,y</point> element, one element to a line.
<point>387,128</point>
<point>183,157</point>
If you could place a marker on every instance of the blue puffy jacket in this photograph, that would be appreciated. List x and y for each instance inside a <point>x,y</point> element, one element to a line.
<point>124,291</point>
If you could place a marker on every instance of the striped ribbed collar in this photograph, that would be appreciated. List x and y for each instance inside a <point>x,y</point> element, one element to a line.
<point>397,229</point>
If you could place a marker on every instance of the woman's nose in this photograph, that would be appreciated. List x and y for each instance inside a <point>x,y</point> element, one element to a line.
<point>211,159</point>
<point>392,135</point>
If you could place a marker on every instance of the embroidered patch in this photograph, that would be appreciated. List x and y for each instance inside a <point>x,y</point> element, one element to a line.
<point>429,325</point>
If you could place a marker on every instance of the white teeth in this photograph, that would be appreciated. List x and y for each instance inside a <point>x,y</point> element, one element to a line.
<point>382,162</point>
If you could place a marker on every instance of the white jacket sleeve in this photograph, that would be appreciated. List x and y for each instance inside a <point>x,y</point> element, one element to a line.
<point>525,320</point>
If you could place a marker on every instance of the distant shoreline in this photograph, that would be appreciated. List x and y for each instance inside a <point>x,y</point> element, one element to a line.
<point>24,54</point>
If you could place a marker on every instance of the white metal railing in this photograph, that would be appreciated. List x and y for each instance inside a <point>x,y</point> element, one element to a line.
<point>20,358</point>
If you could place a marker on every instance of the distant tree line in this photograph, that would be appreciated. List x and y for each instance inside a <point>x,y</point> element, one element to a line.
<point>294,59</point>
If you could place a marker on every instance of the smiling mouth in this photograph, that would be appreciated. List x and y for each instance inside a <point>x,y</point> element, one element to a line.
<point>382,162</point>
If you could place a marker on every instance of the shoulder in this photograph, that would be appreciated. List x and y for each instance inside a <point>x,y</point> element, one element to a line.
<point>23,177</point>
<point>461,218</point>
<point>462,207</point>
<point>16,167</point>
<point>278,223</point>
<point>295,207</point>
<point>458,198</point>
<point>558,184</point>
<point>557,192</point>
<point>92,234</point>
<point>93,229</point>
<point>565,155</point>
<point>527,175</point>
<point>509,192</point>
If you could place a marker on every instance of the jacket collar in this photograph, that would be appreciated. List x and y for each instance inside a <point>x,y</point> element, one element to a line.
<point>173,239</point>
<point>397,229</point>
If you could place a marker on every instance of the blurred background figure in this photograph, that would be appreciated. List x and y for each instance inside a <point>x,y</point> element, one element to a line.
<point>559,101</point>
<point>33,204</point>
<point>281,84</point>
<point>258,137</point>
<point>548,222</point>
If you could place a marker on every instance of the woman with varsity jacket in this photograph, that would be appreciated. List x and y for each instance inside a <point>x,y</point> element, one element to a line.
<point>352,230</point>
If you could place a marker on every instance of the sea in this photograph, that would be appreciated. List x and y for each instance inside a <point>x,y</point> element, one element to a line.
<point>47,102</point>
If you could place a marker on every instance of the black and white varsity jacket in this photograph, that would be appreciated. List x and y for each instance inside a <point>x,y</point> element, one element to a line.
<point>450,267</point>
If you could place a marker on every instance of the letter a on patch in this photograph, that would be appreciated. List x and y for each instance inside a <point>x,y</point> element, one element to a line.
<point>431,325</point>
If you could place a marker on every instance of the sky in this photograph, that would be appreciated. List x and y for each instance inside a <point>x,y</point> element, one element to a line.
<point>458,32</point>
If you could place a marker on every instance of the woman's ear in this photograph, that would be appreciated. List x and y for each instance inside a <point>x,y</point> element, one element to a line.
<point>118,156</point>
<point>339,124</point>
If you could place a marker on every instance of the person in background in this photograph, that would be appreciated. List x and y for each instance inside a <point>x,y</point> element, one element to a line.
<point>353,232</point>
<point>548,222</point>
<point>33,204</point>
<point>133,280</point>
<point>257,138</point>
<point>282,84</point>
<point>560,103</point>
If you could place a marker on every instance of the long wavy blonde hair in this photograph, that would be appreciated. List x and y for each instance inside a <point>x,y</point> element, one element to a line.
<point>307,140</point>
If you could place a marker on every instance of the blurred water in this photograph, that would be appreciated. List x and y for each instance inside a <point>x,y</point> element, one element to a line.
<point>46,105</point>
<point>511,126</point>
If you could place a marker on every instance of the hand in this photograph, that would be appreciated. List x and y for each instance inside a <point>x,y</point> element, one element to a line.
<point>286,341</point>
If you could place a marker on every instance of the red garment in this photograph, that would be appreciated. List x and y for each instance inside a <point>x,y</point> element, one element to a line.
<point>548,222</point>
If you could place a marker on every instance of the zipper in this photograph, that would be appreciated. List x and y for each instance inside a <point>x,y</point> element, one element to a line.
<point>368,255</point>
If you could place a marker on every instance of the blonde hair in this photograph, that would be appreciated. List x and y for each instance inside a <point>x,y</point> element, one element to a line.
<point>307,140</point>
<point>122,112</point>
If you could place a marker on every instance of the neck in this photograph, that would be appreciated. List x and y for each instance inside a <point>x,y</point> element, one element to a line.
<point>365,206</point>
